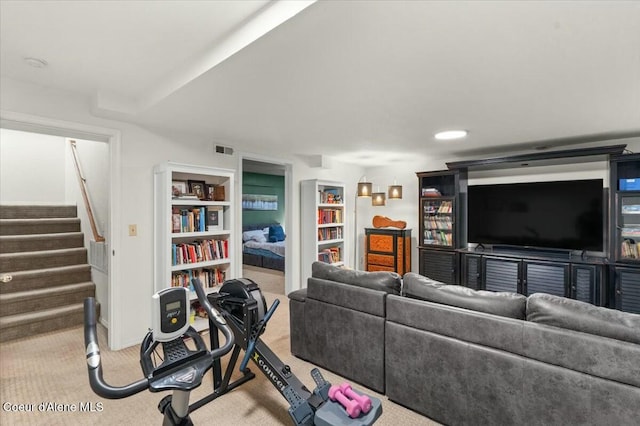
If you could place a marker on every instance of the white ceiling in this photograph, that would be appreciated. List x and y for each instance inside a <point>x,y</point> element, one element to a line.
<point>364,81</point>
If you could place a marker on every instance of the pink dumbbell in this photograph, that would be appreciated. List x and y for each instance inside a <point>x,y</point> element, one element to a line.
<point>364,402</point>
<point>352,407</point>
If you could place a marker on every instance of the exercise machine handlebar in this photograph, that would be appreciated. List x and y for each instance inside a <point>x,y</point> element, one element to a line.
<point>94,364</point>
<point>252,342</point>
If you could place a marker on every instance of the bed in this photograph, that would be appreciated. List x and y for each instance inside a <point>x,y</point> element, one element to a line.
<point>263,245</point>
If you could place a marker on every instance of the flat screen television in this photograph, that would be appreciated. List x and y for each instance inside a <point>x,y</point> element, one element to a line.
<point>566,215</point>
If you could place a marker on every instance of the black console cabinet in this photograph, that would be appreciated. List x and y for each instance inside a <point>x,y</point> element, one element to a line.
<point>626,288</point>
<point>508,272</point>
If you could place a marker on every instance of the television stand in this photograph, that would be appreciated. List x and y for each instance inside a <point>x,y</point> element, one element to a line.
<point>528,271</point>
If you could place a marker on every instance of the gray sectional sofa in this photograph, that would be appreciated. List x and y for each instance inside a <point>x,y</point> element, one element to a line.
<point>461,356</point>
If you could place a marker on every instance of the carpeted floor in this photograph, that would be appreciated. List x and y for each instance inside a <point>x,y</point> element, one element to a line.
<point>51,369</point>
<point>269,280</point>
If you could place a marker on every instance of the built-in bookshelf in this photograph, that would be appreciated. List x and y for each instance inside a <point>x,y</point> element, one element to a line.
<point>193,223</point>
<point>323,221</point>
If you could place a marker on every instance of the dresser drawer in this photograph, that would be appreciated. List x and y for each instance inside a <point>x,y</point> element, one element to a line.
<point>381,243</point>
<point>381,259</point>
<point>374,268</point>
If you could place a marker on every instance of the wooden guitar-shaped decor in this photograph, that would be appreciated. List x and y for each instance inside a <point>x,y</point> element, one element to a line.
<point>385,222</point>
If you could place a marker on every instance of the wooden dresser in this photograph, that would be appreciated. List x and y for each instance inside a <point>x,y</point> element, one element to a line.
<point>388,250</point>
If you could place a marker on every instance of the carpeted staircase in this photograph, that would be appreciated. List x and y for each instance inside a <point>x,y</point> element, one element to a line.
<point>44,274</point>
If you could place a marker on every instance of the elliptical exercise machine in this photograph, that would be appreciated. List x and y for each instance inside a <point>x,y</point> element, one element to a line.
<point>181,369</point>
<point>240,312</point>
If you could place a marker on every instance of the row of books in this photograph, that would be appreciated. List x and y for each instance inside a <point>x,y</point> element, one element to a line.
<point>435,237</point>
<point>199,251</point>
<point>330,216</point>
<point>209,278</point>
<point>438,222</point>
<point>631,209</point>
<point>193,219</point>
<point>330,255</point>
<point>438,208</point>
<point>330,196</point>
<point>630,249</point>
<point>329,233</point>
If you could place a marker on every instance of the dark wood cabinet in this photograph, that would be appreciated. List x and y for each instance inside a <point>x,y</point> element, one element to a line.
<point>626,288</point>
<point>388,250</point>
<point>439,265</point>
<point>442,223</point>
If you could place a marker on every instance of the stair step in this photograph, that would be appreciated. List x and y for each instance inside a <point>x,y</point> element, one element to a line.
<point>43,299</point>
<point>37,211</point>
<point>49,277</point>
<point>38,226</point>
<point>41,259</point>
<point>38,242</point>
<point>32,323</point>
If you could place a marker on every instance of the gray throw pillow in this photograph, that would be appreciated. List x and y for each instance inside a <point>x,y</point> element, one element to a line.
<point>505,304</point>
<point>580,316</point>
<point>388,282</point>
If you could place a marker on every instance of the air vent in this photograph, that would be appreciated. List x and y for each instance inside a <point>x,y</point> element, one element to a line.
<point>223,150</point>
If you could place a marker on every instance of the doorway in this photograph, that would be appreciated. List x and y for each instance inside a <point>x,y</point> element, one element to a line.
<point>106,271</point>
<point>265,197</point>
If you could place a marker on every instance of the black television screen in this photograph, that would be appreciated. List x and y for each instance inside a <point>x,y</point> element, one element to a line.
<point>559,215</point>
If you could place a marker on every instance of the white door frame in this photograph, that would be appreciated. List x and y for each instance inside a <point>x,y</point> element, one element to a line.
<point>288,212</point>
<point>36,124</point>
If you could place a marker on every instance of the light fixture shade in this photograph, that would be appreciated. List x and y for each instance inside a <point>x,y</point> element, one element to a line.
<point>395,192</point>
<point>365,189</point>
<point>378,199</point>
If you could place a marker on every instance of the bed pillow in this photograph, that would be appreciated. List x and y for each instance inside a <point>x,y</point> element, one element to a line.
<point>276,233</point>
<point>255,235</point>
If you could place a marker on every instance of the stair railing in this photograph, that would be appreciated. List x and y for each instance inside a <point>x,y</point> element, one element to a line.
<point>83,187</point>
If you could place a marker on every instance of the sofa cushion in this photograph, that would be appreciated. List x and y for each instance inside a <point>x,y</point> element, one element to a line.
<point>389,282</point>
<point>505,304</point>
<point>580,316</point>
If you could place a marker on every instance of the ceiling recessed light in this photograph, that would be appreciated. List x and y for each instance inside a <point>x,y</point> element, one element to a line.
<point>35,62</point>
<point>451,134</point>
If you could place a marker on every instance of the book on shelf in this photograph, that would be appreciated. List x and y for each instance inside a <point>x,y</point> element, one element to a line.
<point>199,251</point>
<point>188,220</point>
<point>186,197</point>
<point>329,216</point>
<point>430,192</point>
<point>332,233</point>
<point>330,255</point>
<point>630,249</point>
<point>209,277</point>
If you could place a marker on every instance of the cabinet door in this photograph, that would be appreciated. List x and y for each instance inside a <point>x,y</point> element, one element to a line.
<point>628,229</point>
<point>545,277</point>
<point>501,274</point>
<point>437,221</point>
<point>627,290</point>
<point>471,271</point>
<point>586,283</point>
<point>439,265</point>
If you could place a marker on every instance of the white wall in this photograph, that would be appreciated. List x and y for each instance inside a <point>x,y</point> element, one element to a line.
<point>32,168</point>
